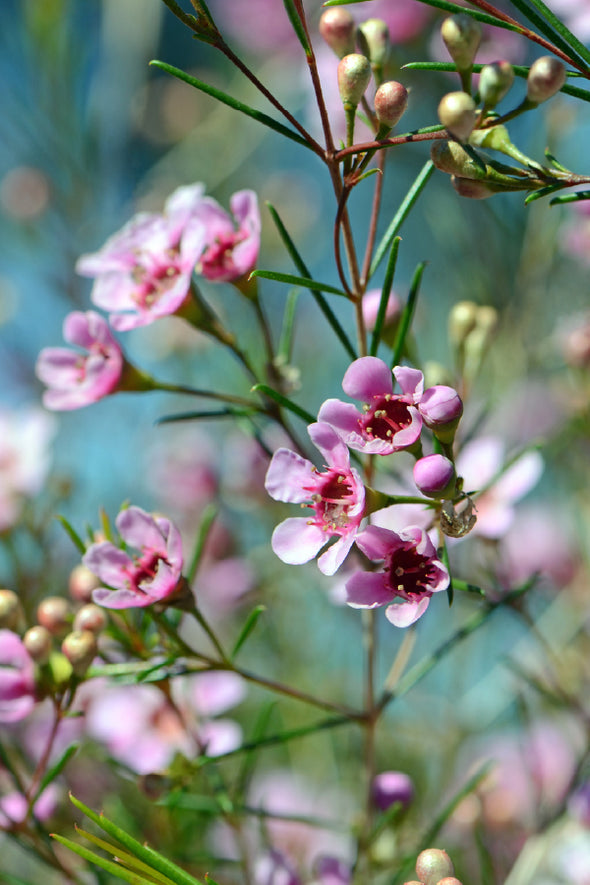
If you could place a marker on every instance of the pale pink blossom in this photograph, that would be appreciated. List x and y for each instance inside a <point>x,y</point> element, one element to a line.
<point>335,497</point>
<point>77,379</point>
<point>232,241</point>
<point>25,455</point>
<point>143,728</point>
<point>389,422</point>
<point>137,580</point>
<point>411,573</point>
<point>479,462</point>
<point>14,807</point>
<point>17,678</point>
<point>144,271</point>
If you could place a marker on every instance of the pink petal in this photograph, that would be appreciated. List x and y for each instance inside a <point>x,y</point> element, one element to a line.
<point>108,562</point>
<point>330,561</point>
<point>367,590</point>
<point>411,382</point>
<point>287,475</point>
<point>295,541</point>
<point>402,614</point>
<point>325,438</point>
<point>342,416</point>
<point>118,599</point>
<point>139,530</point>
<point>367,377</point>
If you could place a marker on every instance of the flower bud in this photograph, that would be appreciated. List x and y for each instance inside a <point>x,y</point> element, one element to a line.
<point>457,113</point>
<point>495,80</point>
<point>390,787</point>
<point>354,74</point>
<point>391,101</point>
<point>373,37</point>
<point>432,865</point>
<point>449,880</point>
<point>441,408</point>
<point>82,582</point>
<point>337,28</point>
<point>11,611</point>
<point>452,158</point>
<point>435,476</point>
<point>38,641</point>
<point>462,320</point>
<point>90,617</point>
<point>473,190</point>
<point>80,648</point>
<point>546,77</point>
<point>462,36</point>
<point>54,613</point>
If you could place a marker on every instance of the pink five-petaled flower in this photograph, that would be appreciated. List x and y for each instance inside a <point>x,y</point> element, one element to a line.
<point>143,272</point>
<point>232,244</point>
<point>141,580</point>
<point>335,496</point>
<point>78,379</point>
<point>389,421</point>
<point>411,573</point>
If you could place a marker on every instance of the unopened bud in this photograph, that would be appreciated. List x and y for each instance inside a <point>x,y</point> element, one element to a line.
<point>441,408</point>
<point>391,101</point>
<point>354,74</point>
<point>80,649</point>
<point>90,617</point>
<point>457,113</point>
<point>462,320</point>
<point>54,613</point>
<point>373,37</point>
<point>449,880</point>
<point>462,36</point>
<point>391,787</point>
<point>473,190</point>
<point>435,476</point>
<point>337,28</point>
<point>546,77</point>
<point>11,611</point>
<point>495,80</point>
<point>432,865</point>
<point>82,582</point>
<point>452,158</point>
<point>38,641</point>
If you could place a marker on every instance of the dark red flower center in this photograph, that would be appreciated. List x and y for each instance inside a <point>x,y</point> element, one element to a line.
<point>386,417</point>
<point>409,573</point>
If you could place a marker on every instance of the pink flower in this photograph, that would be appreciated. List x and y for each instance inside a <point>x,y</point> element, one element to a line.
<point>143,728</point>
<point>141,580</point>
<point>76,379</point>
<point>389,422</point>
<point>390,787</point>
<point>232,244</point>
<point>25,437</point>
<point>14,807</point>
<point>411,572</point>
<point>144,271</point>
<point>336,497</point>
<point>17,678</point>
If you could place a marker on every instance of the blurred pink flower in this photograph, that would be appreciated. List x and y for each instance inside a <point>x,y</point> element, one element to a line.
<point>25,437</point>
<point>14,807</point>
<point>232,242</point>
<point>144,271</point>
<point>478,463</point>
<point>141,580</point>
<point>411,573</point>
<point>76,379</point>
<point>541,541</point>
<point>143,728</point>
<point>575,233</point>
<point>391,787</point>
<point>336,497</point>
<point>17,678</point>
<point>389,421</point>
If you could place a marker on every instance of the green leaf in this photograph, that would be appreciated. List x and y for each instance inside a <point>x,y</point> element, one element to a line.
<point>407,315</point>
<point>548,23</point>
<point>207,519</point>
<point>283,401</point>
<point>571,198</point>
<point>56,770</point>
<point>148,855</point>
<point>542,192</point>
<point>207,415</point>
<point>474,13</point>
<point>295,20</point>
<point>231,102</point>
<point>385,293</point>
<point>103,863</point>
<point>285,348</point>
<point>305,282</point>
<point>247,629</point>
<point>319,298</point>
<point>124,858</point>
<point>249,763</point>
<point>72,533</point>
<point>400,216</point>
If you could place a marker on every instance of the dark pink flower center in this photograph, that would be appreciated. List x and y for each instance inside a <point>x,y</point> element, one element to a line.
<point>153,282</point>
<point>409,573</point>
<point>144,569</point>
<point>332,497</point>
<point>385,417</point>
<point>217,258</point>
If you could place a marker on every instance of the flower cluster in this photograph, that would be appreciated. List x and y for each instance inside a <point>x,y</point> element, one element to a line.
<point>388,422</point>
<point>142,273</point>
